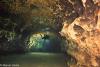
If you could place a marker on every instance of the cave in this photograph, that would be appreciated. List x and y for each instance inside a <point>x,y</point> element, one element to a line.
<point>50,33</point>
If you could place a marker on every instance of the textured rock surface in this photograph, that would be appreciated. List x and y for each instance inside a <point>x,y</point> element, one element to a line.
<point>83,38</point>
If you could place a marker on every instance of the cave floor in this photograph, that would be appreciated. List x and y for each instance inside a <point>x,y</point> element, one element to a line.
<point>35,59</point>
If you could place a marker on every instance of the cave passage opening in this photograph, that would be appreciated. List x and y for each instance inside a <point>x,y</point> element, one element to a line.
<point>45,42</point>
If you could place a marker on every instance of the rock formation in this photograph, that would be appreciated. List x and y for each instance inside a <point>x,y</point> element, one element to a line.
<point>83,36</point>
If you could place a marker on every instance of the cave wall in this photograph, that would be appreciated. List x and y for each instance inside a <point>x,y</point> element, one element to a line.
<point>83,36</point>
